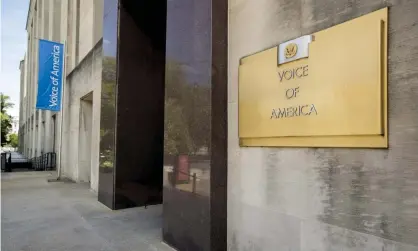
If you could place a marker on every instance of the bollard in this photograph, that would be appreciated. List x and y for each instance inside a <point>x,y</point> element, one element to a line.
<point>194,183</point>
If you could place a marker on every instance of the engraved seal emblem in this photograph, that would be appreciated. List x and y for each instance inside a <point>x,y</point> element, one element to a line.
<point>290,50</point>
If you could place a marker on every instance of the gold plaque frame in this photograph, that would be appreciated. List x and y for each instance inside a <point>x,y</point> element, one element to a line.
<point>255,130</point>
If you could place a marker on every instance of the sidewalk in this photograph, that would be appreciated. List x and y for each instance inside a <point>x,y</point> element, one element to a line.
<point>37,215</point>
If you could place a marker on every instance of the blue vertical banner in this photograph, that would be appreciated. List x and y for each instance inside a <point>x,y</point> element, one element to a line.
<point>50,66</point>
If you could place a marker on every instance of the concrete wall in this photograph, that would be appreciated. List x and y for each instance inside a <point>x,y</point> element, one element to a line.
<point>86,27</point>
<point>22,105</point>
<point>325,199</point>
<point>42,23</point>
<point>84,79</point>
<point>84,138</point>
<point>97,20</point>
<point>77,25</point>
<point>22,93</point>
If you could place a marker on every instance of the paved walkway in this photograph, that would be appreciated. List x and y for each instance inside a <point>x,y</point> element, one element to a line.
<point>42,216</point>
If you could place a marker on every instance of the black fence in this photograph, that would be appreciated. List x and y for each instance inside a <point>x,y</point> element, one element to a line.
<point>44,162</point>
<point>3,161</point>
<point>181,173</point>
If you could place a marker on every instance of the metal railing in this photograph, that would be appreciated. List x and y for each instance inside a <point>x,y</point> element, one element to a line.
<point>44,162</point>
<point>9,163</point>
<point>181,172</point>
<point>3,161</point>
<point>191,179</point>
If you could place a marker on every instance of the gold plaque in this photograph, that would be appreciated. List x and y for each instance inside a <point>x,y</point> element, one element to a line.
<point>291,50</point>
<point>331,98</point>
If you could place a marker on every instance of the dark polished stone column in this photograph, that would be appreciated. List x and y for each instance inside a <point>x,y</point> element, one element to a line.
<point>195,136</point>
<point>108,104</point>
<point>131,169</point>
<point>140,103</point>
<point>187,125</point>
<point>219,123</point>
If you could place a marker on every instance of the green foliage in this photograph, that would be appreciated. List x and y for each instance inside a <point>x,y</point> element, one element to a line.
<point>6,119</point>
<point>187,113</point>
<point>108,108</point>
<point>14,140</point>
<point>177,138</point>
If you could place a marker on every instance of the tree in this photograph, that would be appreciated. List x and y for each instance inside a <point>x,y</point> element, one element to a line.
<point>108,113</point>
<point>187,112</point>
<point>6,119</point>
<point>14,140</point>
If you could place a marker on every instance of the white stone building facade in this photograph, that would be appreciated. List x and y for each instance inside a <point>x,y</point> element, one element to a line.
<point>78,25</point>
<point>163,83</point>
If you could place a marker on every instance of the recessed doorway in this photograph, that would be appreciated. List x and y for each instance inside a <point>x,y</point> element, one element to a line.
<point>84,139</point>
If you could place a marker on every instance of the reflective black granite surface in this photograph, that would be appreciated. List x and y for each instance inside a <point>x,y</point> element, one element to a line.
<point>219,124</point>
<point>140,103</point>
<point>108,105</point>
<point>183,118</point>
<point>187,134</point>
<point>132,115</point>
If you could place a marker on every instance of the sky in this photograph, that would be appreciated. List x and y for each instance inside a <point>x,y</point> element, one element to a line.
<point>12,48</point>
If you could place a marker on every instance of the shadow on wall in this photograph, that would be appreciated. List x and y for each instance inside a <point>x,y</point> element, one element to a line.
<point>358,196</point>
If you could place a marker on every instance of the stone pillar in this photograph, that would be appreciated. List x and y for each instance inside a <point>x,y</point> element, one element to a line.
<point>170,90</point>
<point>33,80</point>
<point>134,145</point>
<point>108,105</point>
<point>60,27</point>
<point>195,125</point>
<point>40,34</point>
<point>48,23</point>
